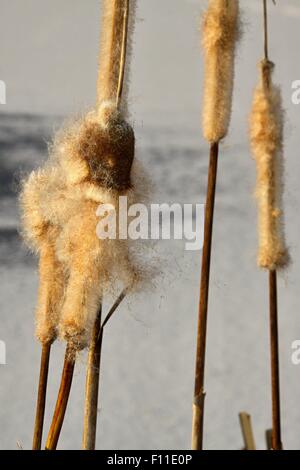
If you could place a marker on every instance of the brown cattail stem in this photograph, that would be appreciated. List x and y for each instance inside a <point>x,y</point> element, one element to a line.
<point>92,386</point>
<point>276,423</point>
<point>199,394</point>
<point>92,378</point>
<point>62,399</point>
<point>114,307</point>
<point>41,399</point>
<point>266,45</point>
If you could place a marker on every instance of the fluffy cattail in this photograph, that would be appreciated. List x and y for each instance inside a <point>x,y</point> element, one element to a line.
<point>220,35</point>
<point>267,123</point>
<point>41,237</point>
<point>51,291</point>
<point>115,44</point>
<point>90,164</point>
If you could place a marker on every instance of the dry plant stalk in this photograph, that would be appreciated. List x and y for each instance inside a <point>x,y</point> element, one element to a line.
<point>267,135</point>
<point>92,377</point>
<point>247,431</point>
<point>41,399</point>
<point>220,35</point>
<point>92,387</point>
<point>62,399</point>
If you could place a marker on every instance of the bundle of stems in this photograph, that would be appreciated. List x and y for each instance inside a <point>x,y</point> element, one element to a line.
<point>92,384</point>
<point>220,36</point>
<point>267,129</point>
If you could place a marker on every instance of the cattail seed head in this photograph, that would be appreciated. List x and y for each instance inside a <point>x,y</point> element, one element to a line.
<point>221,30</point>
<point>89,164</point>
<point>266,134</point>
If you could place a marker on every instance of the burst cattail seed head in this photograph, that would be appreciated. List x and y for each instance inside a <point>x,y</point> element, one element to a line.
<point>90,163</point>
<point>221,30</point>
<point>266,133</point>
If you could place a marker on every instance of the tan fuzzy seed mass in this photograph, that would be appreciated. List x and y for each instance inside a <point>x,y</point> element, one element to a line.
<point>266,133</point>
<point>89,164</point>
<point>221,29</point>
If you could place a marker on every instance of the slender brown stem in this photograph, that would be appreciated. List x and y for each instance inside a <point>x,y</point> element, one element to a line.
<point>276,425</point>
<point>114,307</point>
<point>266,45</point>
<point>199,394</point>
<point>41,398</point>
<point>92,378</point>
<point>62,399</point>
<point>92,386</point>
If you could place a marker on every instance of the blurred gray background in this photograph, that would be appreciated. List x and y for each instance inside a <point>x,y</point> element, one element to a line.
<point>48,59</point>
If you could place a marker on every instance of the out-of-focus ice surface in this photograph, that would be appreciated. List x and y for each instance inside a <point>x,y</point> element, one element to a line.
<point>48,60</point>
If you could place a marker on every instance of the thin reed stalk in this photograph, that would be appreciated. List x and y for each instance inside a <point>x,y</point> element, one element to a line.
<point>41,399</point>
<point>220,35</point>
<point>276,419</point>
<point>92,377</point>
<point>62,399</point>
<point>199,394</point>
<point>92,386</point>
